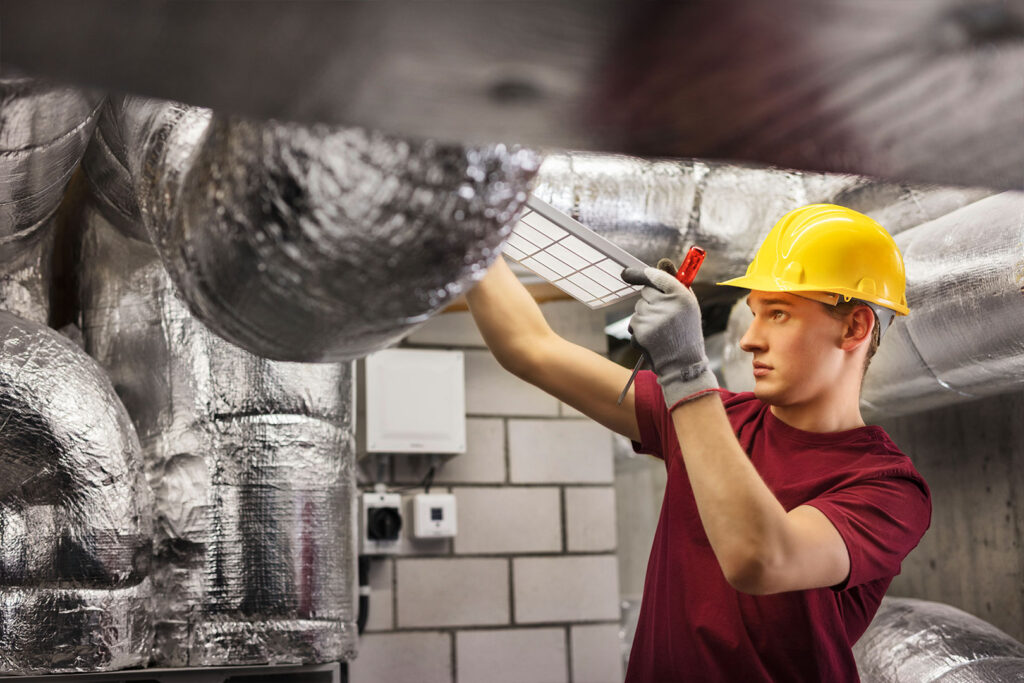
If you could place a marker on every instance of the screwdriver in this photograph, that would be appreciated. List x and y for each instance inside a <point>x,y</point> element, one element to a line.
<point>686,274</point>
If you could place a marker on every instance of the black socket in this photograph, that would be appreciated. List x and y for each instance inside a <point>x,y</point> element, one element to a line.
<point>383,523</point>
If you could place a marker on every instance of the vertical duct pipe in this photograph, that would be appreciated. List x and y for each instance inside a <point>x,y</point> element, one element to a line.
<point>44,130</point>
<point>76,536</point>
<point>917,640</point>
<point>252,466</point>
<point>314,243</point>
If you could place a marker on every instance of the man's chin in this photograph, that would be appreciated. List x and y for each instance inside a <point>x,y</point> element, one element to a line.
<point>765,394</point>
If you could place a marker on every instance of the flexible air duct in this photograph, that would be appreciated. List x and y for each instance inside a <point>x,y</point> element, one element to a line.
<point>964,337</point>
<point>929,642</point>
<point>75,523</point>
<point>313,243</point>
<point>43,134</point>
<point>251,462</point>
<point>656,209</point>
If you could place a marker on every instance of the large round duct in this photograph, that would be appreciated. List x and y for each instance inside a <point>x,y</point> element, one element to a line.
<point>313,243</point>
<point>659,208</point>
<point>964,337</point>
<point>75,523</point>
<point>251,463</point>
<point>929,642</point>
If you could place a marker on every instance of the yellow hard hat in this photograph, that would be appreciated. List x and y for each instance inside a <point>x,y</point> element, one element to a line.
<point>832,249</point>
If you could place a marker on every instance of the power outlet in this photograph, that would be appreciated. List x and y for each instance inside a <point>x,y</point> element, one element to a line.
<point>380,523</point>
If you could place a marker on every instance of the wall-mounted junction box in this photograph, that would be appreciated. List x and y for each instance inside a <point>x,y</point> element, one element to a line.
<point>415,401</point>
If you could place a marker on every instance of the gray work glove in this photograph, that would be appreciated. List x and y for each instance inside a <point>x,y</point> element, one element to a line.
<point>666,326</point>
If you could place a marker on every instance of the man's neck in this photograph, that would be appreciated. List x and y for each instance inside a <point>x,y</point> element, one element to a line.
<point>829,414</point>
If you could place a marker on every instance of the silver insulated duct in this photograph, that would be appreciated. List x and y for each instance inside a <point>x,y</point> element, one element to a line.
<point>656,209</point>
<point>75,524</point>
<point>44,130</point>
<point>251,462</point>
<point>311,243</point>
<point>964,337</point>
<point>929,642</point>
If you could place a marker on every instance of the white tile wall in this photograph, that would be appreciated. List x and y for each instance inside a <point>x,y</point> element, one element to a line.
<point>535,655</point>
<point>491,390</point>
<point>590,519</point>
<point>403,658</point>
<point>508,520</point>
<point>569,319</point>
<point>596,654</point>
<point>482,463</point>
<point>568,411</point>
<point>566,588</point>
<point>549,451</point>
<point>452,592</point>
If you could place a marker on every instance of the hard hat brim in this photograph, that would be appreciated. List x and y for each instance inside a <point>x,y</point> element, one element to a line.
<point>770,284</point>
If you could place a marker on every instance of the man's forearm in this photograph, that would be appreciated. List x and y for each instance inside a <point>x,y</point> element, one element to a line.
<point>743,520</point>
<point>508,318</point>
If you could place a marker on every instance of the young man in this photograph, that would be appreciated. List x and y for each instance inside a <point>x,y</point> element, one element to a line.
<point>785,517</point>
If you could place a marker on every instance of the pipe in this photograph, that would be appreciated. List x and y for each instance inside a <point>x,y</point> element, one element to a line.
<point>917,640</point>
<point>252,466</point>
<point>75,524</point>
<point>964,337</point>
<point>43,134</point>
<point>314,243</point>
<point>656,209</point>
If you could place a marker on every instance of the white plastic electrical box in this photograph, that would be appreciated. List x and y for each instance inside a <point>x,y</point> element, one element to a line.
<point>433,515</point>
<point>415,402</point>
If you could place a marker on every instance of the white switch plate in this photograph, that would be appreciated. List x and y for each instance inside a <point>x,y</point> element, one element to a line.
<point>434,515</point>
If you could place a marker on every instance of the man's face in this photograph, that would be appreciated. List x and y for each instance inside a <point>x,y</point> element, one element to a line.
<point>796,350</point>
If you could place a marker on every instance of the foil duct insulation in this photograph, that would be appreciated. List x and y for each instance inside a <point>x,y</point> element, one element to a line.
<point>312,243</point>
<point>44,130</point>
<point>251,462</point>
<point>75,522</point>
<point>917,640</point>
<point>656,209</point>
<point>964,337</point>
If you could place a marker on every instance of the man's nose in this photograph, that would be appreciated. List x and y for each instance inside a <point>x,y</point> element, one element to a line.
<point>752,339</point>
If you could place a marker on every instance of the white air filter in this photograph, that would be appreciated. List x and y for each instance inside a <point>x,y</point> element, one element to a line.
<point>570,256</point>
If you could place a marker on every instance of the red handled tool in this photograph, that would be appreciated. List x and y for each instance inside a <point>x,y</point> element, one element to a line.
<point>686,274</point>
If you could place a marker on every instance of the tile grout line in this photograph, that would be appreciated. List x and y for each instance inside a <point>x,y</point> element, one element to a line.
<point>568,653</point>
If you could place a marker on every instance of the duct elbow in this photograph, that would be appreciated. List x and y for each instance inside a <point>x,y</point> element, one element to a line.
<point>311,243</point>
<point>74,512</point>
<point>915,640</point>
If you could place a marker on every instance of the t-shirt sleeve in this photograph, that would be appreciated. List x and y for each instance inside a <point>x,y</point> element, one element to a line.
<point>881,520</point>
<point>650,403</point>
<point>652,416</point>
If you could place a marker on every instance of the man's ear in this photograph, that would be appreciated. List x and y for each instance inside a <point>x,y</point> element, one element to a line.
<point>857,329</point>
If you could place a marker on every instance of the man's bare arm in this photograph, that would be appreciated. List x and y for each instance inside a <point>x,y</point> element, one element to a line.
<point>516,332</point>
<point>761,548</point>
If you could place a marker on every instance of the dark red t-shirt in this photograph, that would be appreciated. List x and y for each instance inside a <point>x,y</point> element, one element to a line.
<point>694,626</point>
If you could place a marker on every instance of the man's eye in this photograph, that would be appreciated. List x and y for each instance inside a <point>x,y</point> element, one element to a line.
<point>778,316</point>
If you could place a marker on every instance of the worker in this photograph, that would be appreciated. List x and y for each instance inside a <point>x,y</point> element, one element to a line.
<point>785,517</point>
